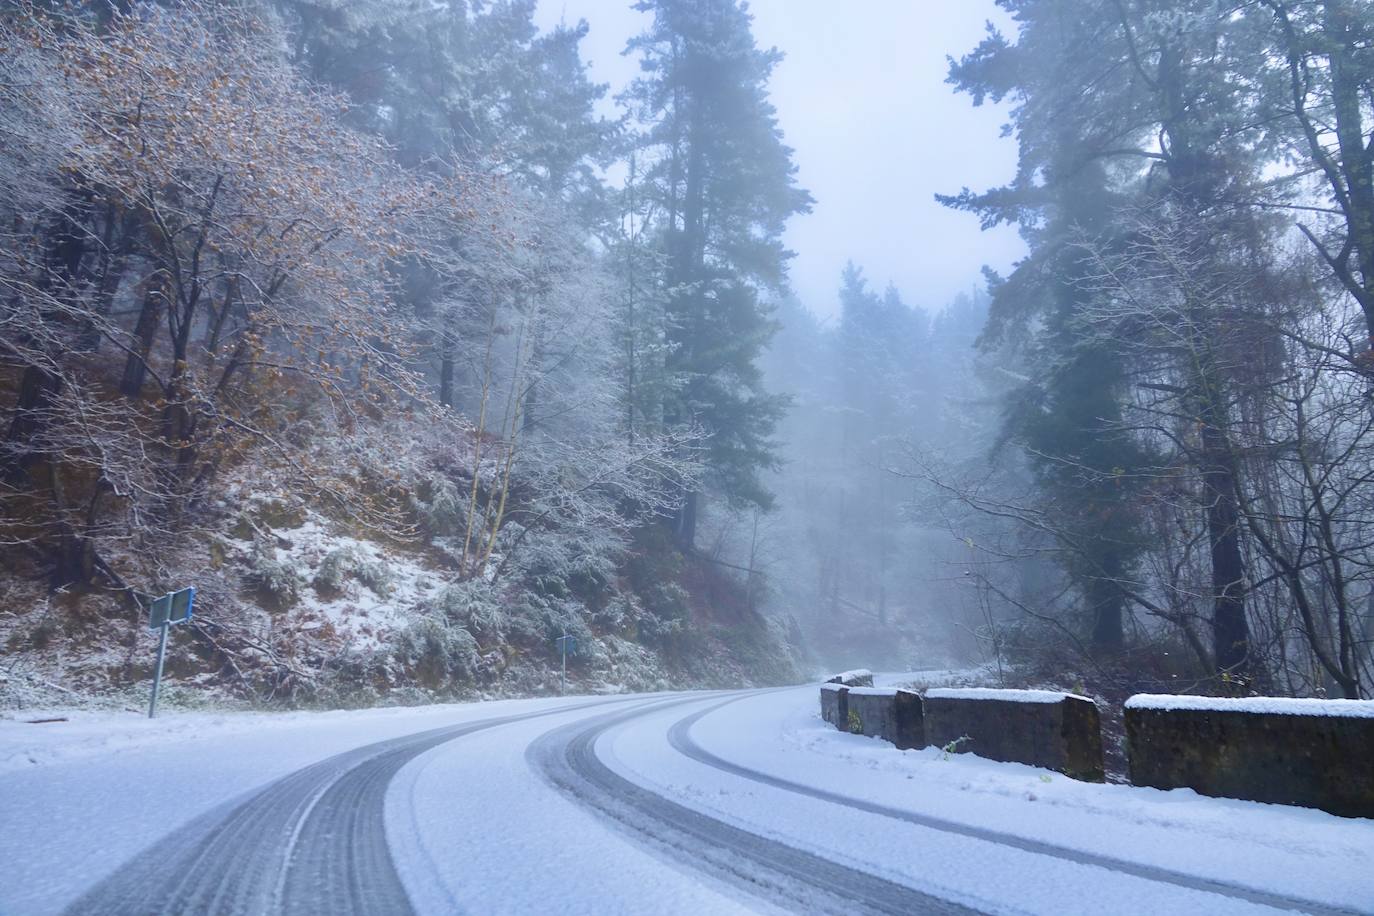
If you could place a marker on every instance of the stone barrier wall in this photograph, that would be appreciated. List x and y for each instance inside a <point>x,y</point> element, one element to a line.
<point>859,677</point>
<point>835,705</point>
<point>1060,731</point>
<point>1316,753</point>
<point>893,715</point>
<point>1054,730</point>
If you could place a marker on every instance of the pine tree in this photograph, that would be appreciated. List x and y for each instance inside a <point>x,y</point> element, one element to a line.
<point>722,184</point>
<point>1067,418</point>
<point>879,341</point>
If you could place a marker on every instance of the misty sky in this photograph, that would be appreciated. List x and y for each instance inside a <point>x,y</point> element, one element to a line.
<point>861,97</point>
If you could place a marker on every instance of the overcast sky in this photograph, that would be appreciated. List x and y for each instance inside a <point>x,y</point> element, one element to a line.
<point>861,97</point>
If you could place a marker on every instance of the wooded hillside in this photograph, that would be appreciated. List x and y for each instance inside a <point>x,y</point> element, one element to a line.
<point>330,311</point>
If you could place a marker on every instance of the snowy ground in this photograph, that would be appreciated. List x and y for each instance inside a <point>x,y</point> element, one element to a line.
<point>478,823</point>
<point>92,792</point>
<point>1290,851</point>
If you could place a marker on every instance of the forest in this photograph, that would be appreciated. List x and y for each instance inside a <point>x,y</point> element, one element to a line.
<point>415,349</point>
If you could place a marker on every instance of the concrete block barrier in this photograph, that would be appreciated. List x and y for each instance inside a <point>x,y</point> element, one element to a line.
<point>1314,753</point>
<point>1060,731</point>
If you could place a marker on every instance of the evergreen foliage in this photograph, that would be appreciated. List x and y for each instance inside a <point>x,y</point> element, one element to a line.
<point>720,183</point>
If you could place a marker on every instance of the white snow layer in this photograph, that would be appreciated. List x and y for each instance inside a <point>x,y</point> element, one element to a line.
<point>1286,850</point>
<point>473,827</point>
<point>80,797</point>
<point>993,693</point>
<point>1281,706</point>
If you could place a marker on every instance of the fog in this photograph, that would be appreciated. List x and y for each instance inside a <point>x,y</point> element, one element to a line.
<point>862,100</point>
<point>640,324</point>
<point>876,132</point>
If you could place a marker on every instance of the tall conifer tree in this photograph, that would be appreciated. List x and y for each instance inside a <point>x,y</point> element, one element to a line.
<point>722,183</point>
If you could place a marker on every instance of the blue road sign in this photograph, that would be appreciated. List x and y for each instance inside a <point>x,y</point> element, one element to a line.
<point>160,612</point>
<point>174,607</point>
<point>181,605</point>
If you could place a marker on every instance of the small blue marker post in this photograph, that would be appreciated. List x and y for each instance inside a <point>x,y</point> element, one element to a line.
<point>563,643</point>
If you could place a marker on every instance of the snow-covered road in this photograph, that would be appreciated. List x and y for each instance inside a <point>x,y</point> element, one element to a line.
<point>668,803</point>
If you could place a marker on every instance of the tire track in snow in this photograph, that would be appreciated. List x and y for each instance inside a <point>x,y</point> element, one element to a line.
<point>778,873</point>
<point>311,842</point>
<point>679,736</point>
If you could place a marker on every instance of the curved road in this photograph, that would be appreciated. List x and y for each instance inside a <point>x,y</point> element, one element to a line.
<point>783,873</point>
<point>680,737</point>
<point>315,841</point>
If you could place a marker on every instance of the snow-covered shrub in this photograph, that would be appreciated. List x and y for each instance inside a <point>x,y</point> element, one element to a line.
<point>354,679</point>
<point>655,572</point>
<point>761,647</point>
<point>342,562</point>
<point>474,605</point>
<point>437,652</point>
<point>563,564</point>
<point>614,616</point>
<point>441,506</point>
<point>667,615</point>
<point>374,573</point>
<point>333,570</point>
<point>632,666</point>
<point>541,619</point>
<point>281,580</point>
<point>44,631</point>
<point>661,631</point>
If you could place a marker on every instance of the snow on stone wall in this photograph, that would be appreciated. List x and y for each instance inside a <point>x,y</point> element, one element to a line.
<point>1060,731</point>
<point>1314,753</point>
<point>1279,706</point>
<point>1009,696</point>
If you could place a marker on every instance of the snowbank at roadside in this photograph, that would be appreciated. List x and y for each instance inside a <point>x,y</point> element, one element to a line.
<point>27,741</point>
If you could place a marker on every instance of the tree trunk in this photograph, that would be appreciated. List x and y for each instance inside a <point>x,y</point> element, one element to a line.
<point>446,352</point>
<point>1106,605</point>
<point>1356,159</point>
<point>39,386</point>
<point>685,521</point>
<point>114,258</point>
<point>74,556</point>
<point>145,331</point>
<point>1192,176</point>
<point>1230,630</point>
<point>530,401</point>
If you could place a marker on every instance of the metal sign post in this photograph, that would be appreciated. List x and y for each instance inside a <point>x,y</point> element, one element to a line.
<point>563,643</point>
<point>157,676</point>
<point>174,607</point>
